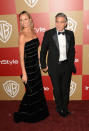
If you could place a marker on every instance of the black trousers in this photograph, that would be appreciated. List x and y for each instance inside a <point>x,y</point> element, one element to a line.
<point>61,79</point>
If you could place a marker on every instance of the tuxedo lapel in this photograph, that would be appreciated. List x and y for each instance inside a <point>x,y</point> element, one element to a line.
<point>55,38</point>
<point>67,41</point>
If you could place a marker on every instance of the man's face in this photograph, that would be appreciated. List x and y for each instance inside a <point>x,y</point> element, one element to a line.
<point>60,23</point>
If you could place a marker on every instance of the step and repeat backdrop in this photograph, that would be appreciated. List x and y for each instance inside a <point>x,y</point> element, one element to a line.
<point>43,14</point>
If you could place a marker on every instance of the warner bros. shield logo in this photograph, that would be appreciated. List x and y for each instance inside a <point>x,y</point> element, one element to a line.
<point>72,24</point>
<point>5,31</point>
<point>72,87</point>
<point>11,88</point>
<point>31,3</point>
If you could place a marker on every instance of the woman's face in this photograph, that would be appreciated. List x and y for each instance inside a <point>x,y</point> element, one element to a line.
<point>24,21</point>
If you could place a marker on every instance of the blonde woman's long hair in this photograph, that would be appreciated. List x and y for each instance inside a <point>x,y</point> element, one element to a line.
<point>30,18</point>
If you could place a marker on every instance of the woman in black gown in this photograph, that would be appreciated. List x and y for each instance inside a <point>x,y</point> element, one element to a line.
<point>33,106</point>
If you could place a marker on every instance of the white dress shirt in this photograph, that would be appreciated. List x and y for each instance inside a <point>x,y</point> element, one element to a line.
<point>62,47</point>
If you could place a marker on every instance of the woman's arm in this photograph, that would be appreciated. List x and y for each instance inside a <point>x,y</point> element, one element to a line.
<point>21,53</point>
<point>39,52</point>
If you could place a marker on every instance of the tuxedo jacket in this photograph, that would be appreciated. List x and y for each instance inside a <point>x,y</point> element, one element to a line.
<point>50,44</point>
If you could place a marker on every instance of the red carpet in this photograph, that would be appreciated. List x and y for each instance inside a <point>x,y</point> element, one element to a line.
<point>77,121</point>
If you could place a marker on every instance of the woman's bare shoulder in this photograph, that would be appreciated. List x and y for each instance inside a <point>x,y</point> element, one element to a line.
<point>21,37</point>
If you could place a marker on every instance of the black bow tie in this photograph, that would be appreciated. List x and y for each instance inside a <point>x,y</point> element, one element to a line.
<point>61,33</point>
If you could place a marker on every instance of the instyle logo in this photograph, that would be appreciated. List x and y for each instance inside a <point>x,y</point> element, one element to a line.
<point>9,62</point>
<point>72,24</point>
<point>40,29</point>
<point>11,88</point>
<point>72,87</point>
<point>5,31</point>
<point>31,3</point>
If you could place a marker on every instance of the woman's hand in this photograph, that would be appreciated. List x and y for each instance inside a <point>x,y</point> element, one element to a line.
<point>24,78</point>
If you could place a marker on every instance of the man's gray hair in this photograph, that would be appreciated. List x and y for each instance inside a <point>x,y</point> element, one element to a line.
<point>61,15</point>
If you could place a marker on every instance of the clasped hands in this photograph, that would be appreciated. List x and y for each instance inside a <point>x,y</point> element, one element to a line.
<point>45,69</point>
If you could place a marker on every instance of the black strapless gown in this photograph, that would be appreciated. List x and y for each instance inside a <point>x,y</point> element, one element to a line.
<point>33,106</point>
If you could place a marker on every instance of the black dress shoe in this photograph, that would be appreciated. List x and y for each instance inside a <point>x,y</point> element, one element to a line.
<point>67,111</point>
<point>64,113</point>
<point>61,113</point>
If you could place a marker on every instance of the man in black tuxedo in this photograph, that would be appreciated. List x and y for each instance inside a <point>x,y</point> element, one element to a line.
<point>59,43</point>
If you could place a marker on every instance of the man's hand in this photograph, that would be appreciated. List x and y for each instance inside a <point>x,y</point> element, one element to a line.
<point>45,69</point>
